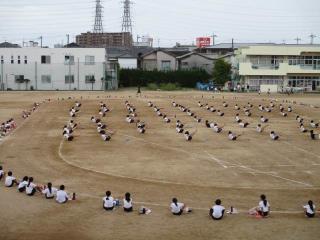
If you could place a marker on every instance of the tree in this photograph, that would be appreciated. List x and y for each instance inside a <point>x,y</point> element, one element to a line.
<point>221,72</point>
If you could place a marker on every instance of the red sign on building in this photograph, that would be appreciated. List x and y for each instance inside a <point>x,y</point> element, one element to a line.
<point>203,41</point>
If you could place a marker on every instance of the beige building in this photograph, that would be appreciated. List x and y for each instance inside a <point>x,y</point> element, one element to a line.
<point>104,39</point>
<point>288,66</point>
<point>195,60</point>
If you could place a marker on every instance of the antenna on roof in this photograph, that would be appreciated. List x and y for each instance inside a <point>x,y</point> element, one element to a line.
<point>298,40</point>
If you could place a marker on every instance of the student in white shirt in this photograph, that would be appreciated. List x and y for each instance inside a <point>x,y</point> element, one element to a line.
<point>232,136</point>
<point>22,185</point>
<point>1,173</point>
<point>302,128</point>
<point>237,118</point>
<point>177,208</point>
<point>108,202</point>
<point>31,188</point>
<point>188,136</point>
<point>217,211</point>
<point>264,207</point>
<point>50,191</point>
<point>310,209</point>
<point>10,180</point>
<point>216,128</point>
<point>219,113</point>
<point>313,124</point>
<point>127,203</point>
<point>263,119</point>
<point>62,196</point>
<point>274,136</point>
<point>243,124</point>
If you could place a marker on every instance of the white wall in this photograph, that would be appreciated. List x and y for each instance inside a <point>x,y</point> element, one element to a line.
<point>57,69</point>
<point>131,63</point>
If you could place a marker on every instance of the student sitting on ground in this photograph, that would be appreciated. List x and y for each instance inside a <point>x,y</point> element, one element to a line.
<point>232,136</point>
<point>177,208</point>
<point>314,136</point>
<point>108,202</point>
<point>302,128</point>
<point>313,124</point>
<point>263,119</point>
<point>247,113</point>
<point>310,209</point>
<point>237,118</point>
<point>274,136</point>
<point>217,211</point>
<point>225,104</point>
<point>216,128</point>
<point>243,124</point>
<point>62,196</point>
<point>289,109</point>
<point>49,192</point>
<point>219,113</point>
<point>264,206</point>
<point>67,136</point>
<point>166,119</point>
<point>283,113</point>
<point>236,107</point>
<point>22,185</point>
<point>10,180</point>
<point>129,119</point>
<point>127,203</point>
<point>212,109</point>
<point>31,188</point>
<point>1,173</point>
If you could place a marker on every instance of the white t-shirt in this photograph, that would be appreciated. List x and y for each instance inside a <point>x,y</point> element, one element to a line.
<point>61,196</point>
<point>1,173</point>
<point>263,207</point>
<point>127,204</point>
<point>22,184</point>
<point>47,193</point>
<point>231,136</point>
<point>108,203</point>
<point>9,180</point>
<point>217,211</point>
<point>308,209</point>
<point>176,208</point>
<point>30,188</point>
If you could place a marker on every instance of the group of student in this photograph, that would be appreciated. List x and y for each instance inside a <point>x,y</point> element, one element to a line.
<point>6,127</point>
<point>101,127</point>
<point>69,128</point>
<point>75,109</point>
<point>313,125</point>
<point>159,113</point>
<point>27,113</point>
<point>26,185</point>
<point>131,118</point>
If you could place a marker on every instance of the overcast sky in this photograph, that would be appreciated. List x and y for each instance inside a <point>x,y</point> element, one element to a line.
<point>167,21</point>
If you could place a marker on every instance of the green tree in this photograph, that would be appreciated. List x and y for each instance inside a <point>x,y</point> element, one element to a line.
<point>221,72</point>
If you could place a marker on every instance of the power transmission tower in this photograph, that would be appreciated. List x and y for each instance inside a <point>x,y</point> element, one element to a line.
<point>126,18</point>
<point>298,40</point>
<point>98,28</point>
<point>312,36</point>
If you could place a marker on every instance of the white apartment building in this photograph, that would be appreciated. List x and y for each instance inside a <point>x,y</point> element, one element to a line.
<point>52,68</point>
<point>288,66</point>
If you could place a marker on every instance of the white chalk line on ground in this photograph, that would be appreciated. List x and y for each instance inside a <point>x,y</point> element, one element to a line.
<point>216,160</point>
<point>170,182</point>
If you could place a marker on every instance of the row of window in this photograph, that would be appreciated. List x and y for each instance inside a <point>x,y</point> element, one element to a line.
<point>68,79</point>
<point>68,60</point>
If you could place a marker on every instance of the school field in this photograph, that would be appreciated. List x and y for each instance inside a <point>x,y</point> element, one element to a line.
<point>159,165</point>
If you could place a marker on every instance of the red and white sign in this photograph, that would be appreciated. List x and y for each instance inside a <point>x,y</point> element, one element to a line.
<point>203,41</point>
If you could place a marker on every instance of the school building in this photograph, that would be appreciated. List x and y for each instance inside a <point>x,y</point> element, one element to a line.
<point>284,65</point>
<point>35,68</point>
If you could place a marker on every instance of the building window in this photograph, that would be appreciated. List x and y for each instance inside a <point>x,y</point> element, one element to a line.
<point>19,60</point>
<point>12,60</point>
<point>69,79</point>
<point>68,60</point>
<point>18,78</point>
<point>2,60</point>
<point>46,79</point>
<point>89,60</point>
<point>45,59</point>
<point>165,65</point>
<point>90,79</point>
<point>25,60</point>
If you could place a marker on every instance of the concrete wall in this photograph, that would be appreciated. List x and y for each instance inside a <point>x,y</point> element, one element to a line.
<point>57,68</point>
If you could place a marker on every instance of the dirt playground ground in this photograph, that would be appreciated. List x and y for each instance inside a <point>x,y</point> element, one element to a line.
<point>159,165</point>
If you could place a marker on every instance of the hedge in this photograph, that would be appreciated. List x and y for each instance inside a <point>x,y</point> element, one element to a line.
<point>184,78</point>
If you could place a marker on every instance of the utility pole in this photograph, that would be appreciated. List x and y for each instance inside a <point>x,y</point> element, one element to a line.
<point>41,41</point>
<point>312,36</point>
<point>213,38</point>
<point>68,39</point>
<point>298,40</point>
